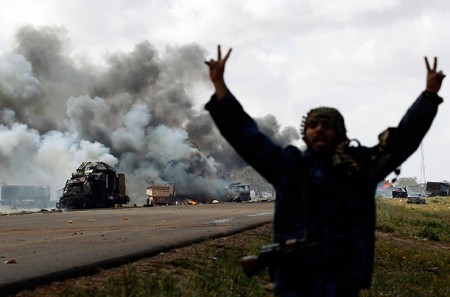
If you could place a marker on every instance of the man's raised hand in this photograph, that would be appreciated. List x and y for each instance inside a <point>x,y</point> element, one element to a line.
<point>216,71</point>
<point>434,78</point>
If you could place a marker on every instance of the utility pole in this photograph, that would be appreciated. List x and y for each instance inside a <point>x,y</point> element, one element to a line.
<point>422,165</point>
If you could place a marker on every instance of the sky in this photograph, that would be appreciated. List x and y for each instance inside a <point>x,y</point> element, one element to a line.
<point>109,80</point>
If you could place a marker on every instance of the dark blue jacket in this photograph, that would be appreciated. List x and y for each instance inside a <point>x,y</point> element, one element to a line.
<point>336,209</point>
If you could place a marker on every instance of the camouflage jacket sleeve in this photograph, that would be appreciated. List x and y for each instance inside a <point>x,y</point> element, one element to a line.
<point>242,132</point>
<point>397,144</point>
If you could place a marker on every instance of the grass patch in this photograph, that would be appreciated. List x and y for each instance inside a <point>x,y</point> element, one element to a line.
<point>406,270</point>
<point>426,221</point>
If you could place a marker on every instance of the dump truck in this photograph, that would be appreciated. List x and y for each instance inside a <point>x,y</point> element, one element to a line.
<point>94,185</point>
<point>25,196</point>
<point>160,194</point>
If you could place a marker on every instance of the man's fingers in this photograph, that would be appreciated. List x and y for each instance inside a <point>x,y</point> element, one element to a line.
<point>429,69</point>
<point>228,54</point>
<point>219,53</point>
<point>427,64</point>
<point>210,62</point>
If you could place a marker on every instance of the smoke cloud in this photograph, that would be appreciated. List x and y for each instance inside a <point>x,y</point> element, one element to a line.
<point>135,114</point>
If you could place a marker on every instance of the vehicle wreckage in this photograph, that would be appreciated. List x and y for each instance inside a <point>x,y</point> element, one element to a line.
<point>93,185</point>
<point>237,192</point>
<point>25,196</point>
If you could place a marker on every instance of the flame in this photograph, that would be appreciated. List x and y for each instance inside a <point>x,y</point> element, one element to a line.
<point>191,202</point>
<point>387,184</point>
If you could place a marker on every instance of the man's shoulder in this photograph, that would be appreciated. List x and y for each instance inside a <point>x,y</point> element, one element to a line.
<point>292,151</point>
<point>291,156</point>
<point>360,151</point>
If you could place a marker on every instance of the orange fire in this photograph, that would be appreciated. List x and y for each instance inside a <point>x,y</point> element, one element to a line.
<point>387,184</point>
<point>191,202</point>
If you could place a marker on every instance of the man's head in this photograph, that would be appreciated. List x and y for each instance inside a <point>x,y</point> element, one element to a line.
<point>323,129</point>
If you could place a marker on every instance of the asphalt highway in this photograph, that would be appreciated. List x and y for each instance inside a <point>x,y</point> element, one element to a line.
<point>42,247</point>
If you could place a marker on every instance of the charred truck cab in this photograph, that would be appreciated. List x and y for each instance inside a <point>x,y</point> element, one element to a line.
<point>93,185</point>
<point>238,192</point>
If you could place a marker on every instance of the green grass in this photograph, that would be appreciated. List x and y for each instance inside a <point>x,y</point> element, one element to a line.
<point>429,221</point>
<point>413,271</point>
<point>410,261</point>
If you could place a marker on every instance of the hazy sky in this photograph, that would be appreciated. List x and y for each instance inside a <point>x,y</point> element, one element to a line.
<point>363,57</point>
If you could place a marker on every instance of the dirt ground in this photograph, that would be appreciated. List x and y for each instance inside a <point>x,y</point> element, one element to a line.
<point>97,280</point>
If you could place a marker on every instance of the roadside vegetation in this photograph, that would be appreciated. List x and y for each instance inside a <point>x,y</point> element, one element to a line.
<point>430,221</point>
<point>412,248</point>
<point>412,259</point>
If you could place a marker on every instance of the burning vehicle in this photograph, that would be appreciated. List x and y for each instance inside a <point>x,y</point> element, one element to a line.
<point>93,185</point>
<point>238,192</point>
<point>25,196</point>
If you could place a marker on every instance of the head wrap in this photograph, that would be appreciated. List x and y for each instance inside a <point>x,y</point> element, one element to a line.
<point>328,114</point>
<point>342,161</point>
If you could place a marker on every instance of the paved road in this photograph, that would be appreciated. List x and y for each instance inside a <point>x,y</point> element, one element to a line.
<point>50,246</point>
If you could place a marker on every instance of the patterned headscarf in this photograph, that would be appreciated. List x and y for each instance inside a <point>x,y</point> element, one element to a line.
<point>340,158</point>
<point>329,114</point>
<point>381,163</point>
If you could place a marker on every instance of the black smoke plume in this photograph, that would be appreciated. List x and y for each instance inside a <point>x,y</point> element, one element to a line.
<point>136,113</point>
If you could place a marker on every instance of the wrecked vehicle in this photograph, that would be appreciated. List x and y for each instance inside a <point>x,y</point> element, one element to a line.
<point>438,188</point>
<point>94,185</point>
<point>238,192</point>
<point>160,195</point>
<point>399,193</point>
<point>25,196</point>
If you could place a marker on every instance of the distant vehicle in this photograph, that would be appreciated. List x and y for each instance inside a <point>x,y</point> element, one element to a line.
<point>94,185</point>
<point>160,195</point>
<point>415,198</point>
<point>25,196</point>
<point>399,193</point>
<point>438,188</point>
<point>237,192</point>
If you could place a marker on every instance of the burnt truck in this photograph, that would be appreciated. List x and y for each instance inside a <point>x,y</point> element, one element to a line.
<point>160,195</point>
<point>25,196</point>
<point>399,193</point>
<point>94,185</point>
<point>438,188</point>
<point>237,192</point>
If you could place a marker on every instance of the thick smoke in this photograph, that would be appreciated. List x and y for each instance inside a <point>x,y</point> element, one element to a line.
<point>136,114</point>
